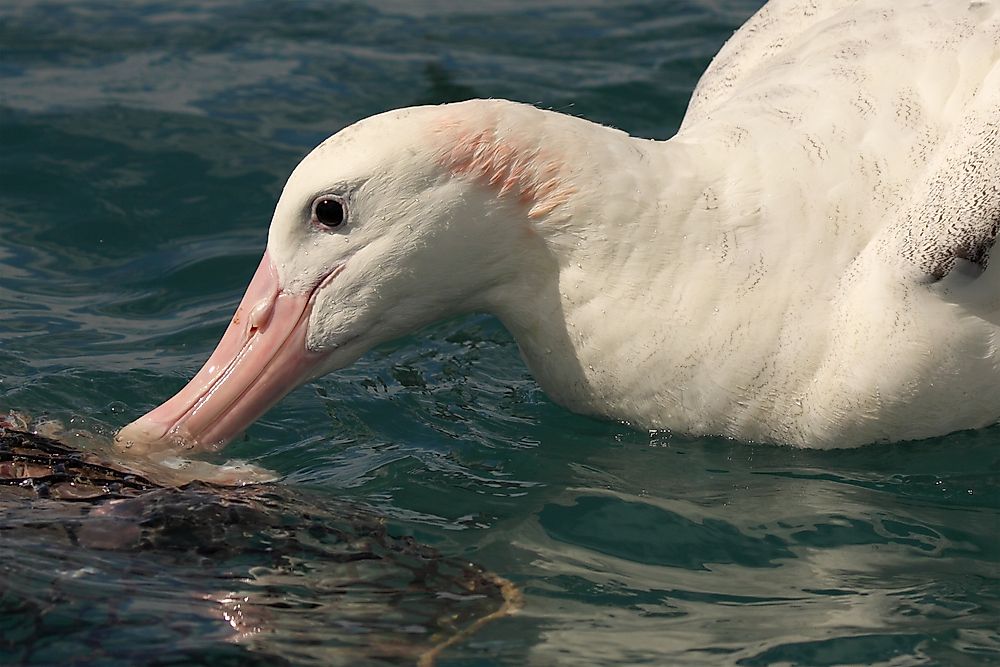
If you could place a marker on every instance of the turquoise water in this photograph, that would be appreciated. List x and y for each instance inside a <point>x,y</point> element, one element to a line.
<point>144,145</point>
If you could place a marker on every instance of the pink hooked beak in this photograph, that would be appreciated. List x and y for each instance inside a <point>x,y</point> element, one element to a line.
<point>262,356</point>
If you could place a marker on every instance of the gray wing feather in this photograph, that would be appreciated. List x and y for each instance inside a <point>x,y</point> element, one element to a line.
<point>956,215</point>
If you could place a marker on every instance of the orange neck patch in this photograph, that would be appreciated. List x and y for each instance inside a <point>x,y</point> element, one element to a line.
<point>528,174</point>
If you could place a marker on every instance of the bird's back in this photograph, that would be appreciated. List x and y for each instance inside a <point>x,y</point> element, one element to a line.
<point>849,226</point>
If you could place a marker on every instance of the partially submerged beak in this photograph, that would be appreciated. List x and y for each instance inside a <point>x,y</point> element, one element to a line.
<point>261,357</point>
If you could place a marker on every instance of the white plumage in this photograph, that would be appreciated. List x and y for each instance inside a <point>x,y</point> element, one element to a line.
<point>805,262</point>
<point>848,154</point>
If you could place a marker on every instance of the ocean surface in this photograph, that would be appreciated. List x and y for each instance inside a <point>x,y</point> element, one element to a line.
<point>144,144</point>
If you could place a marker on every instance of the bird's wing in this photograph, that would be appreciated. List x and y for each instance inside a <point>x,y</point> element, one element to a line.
<point>754,47</point>
<point>949,230</point>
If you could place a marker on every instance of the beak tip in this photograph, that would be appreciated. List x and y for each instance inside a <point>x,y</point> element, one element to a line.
<point>145,435</point>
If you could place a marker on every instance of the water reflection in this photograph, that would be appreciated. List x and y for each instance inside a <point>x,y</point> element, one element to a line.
<point>758,555</point>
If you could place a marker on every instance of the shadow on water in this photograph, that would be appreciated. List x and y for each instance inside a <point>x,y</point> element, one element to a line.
<point>442,87</point>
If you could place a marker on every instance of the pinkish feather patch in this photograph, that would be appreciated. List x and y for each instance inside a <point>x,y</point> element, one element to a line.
<point>525,173</point>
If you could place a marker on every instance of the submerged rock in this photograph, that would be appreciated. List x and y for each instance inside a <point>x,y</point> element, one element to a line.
<point>102,560</point>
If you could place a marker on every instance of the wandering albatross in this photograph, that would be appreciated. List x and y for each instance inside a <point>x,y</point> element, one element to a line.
<point>807,261</point>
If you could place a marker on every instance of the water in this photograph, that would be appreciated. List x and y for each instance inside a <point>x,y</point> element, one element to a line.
<point>144,145</point>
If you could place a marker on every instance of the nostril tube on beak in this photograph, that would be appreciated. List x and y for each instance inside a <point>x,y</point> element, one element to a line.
<point>260,314</point>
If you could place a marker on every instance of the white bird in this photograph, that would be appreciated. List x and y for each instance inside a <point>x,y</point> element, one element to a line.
<point>805,262</point>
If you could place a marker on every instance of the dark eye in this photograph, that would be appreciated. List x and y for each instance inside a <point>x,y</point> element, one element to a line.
<point>328,211</point>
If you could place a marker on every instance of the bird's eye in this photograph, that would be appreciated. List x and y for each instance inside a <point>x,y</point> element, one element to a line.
<point>328,211</point>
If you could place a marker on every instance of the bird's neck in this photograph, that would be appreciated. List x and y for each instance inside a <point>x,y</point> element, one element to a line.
<point>608,265</point>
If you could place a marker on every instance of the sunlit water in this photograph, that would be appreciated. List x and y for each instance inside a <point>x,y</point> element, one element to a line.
<point>143,147</point>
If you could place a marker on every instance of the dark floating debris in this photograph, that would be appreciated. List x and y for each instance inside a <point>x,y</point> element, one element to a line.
<point>104,562</point>
<point>33,462</point>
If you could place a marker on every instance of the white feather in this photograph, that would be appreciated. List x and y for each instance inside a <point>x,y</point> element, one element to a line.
<point>762,275</point>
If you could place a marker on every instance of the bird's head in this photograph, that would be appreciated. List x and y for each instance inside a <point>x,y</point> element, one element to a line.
<point>394,222</point>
